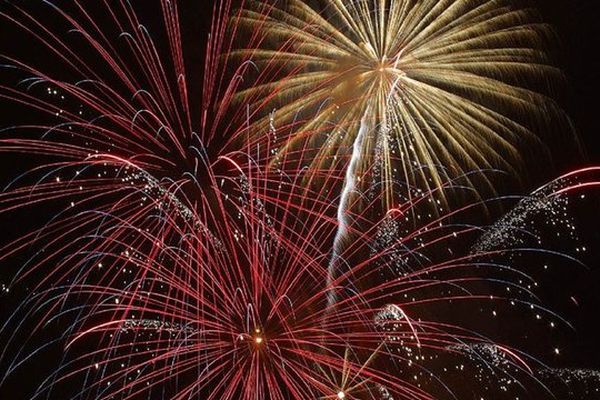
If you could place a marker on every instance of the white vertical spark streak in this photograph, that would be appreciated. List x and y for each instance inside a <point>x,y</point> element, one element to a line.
<point>342,212</point>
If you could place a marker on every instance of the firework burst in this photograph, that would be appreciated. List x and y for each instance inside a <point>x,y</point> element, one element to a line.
<point>116,119</point>
<point>247,313</point>
<point>442,85</point>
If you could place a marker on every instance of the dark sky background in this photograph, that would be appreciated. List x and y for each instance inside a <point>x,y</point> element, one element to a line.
<point>577,26</point>
<point>578,31</point>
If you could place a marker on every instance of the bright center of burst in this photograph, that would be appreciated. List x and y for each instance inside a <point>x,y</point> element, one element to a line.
<point>258,340</point>
<point>341,395</point>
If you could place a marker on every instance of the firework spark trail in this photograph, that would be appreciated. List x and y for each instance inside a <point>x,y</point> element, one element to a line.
<point>349,187</point>
<point>549,203</point>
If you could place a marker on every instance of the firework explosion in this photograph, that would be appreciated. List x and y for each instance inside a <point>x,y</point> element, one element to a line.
<point>443,83</point>
<point>182,254</point>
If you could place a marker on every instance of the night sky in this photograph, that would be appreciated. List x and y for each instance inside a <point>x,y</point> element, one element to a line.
<point>574,294</point>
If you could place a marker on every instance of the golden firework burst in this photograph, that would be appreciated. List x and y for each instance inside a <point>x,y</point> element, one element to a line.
<point>445,86</point>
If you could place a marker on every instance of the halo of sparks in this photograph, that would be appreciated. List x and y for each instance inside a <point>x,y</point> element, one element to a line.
<point>190,259</point>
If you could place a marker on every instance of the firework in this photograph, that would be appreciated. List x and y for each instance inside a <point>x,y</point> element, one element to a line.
<point>188,259</point>
<point>117,124</point>
<point>442,86</point>
<point>247,313</point>
<point>118,152</point>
